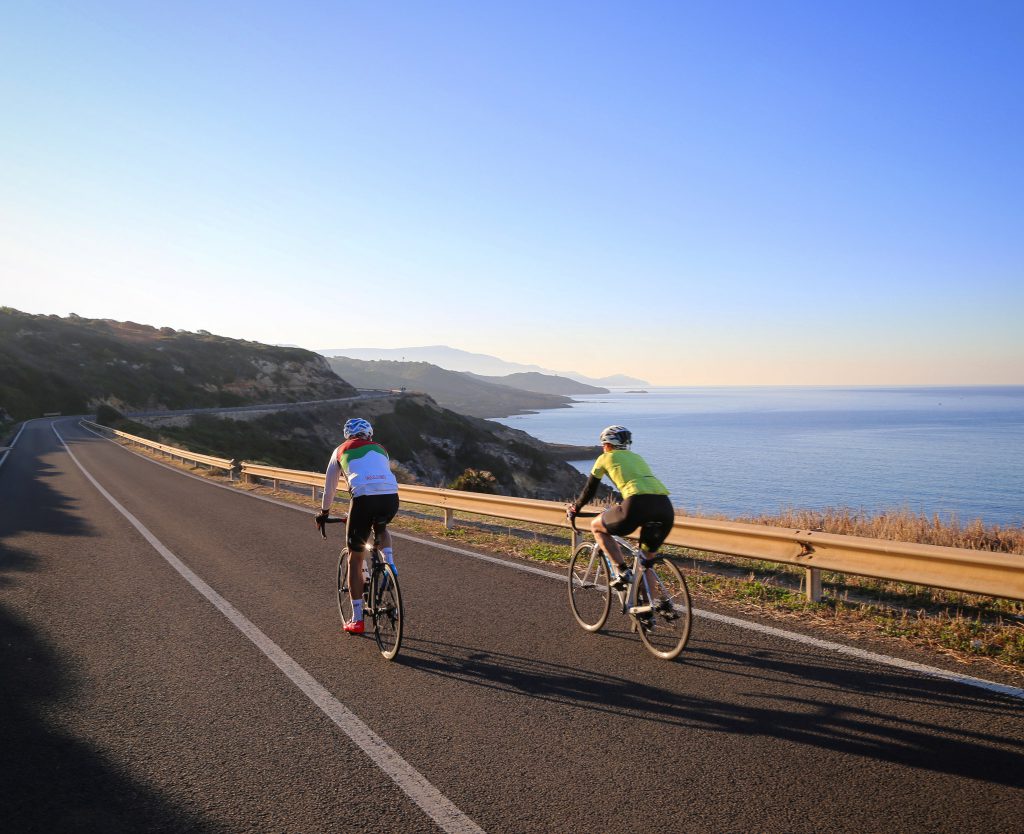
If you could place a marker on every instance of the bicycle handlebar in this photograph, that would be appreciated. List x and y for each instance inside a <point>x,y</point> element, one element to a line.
<point>573,516</point>
<point>321,523</point>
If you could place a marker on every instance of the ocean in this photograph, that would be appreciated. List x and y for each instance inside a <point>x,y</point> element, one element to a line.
<point>957,452</point>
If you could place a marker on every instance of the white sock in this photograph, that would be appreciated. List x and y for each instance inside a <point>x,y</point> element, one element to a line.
<point>357,609</point>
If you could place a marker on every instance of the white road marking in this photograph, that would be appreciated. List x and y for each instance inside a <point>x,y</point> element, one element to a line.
<point>7,450</point>
<point>433,803</point>
<point>839,648</point>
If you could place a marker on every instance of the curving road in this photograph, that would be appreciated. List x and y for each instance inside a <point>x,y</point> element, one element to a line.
<point>172,661</point>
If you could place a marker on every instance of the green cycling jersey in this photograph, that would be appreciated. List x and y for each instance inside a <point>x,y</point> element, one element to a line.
<point>629,472</point>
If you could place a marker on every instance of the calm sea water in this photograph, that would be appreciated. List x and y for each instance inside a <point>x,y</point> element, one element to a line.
<point>744,451</point>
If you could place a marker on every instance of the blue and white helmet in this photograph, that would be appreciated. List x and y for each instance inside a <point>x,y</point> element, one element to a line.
<point>358,427</point>
<point>618,436</point>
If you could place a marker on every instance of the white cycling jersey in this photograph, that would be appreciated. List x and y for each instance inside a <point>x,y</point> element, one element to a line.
<point>366,467</point>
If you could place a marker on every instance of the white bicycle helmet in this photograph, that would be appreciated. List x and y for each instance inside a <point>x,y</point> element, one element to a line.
<point>358,427</point>
<point>618,436</point>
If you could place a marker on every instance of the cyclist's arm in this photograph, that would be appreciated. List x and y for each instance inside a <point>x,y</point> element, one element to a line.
<point>334,474</point>
<point>588,492</point>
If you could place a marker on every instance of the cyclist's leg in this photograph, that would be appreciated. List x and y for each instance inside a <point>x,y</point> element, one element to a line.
<point>656,508</point>
<point>604,527</point>
<point>620,520</point>
<point>385,507</point>
<point>358,528</point>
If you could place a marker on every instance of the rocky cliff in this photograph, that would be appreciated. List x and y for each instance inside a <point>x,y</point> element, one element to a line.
<point>429,444</point>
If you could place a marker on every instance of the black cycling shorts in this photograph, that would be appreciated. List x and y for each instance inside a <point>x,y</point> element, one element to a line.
<point>637,510</point>
<point>369,513</point>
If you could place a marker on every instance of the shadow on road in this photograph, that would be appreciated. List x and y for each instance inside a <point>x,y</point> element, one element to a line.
<point>51,781</point>
<point>815,717</point>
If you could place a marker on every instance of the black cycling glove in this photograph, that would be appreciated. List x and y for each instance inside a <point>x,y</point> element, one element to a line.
<point>321,519</point>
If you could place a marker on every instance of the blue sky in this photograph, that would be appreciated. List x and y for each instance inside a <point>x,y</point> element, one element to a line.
<point>692,193</point>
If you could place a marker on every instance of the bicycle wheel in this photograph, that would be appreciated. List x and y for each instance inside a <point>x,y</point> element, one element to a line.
<point>667,628</point>
<point>386,611</point>
<point>590,597</point>
<point>344,600</point>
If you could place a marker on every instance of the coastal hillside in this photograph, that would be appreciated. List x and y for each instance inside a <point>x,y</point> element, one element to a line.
<point>72,365</point>
<point>461,392</point>
<point>543,383</point>
<point>428,444</point>
<point>453,359</point>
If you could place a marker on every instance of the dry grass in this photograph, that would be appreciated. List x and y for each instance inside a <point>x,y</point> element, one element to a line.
<point>902,526</point>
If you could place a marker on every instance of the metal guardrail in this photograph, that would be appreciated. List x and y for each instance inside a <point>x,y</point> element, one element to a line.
<point>951,568</point>
<point>954,569</point>
<point>251,471</point>
<point>230,466</point>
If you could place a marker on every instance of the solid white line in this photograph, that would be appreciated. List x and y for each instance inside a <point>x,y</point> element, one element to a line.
<point>839,648</point>
<point>433,803</point>
<point>7,451</point>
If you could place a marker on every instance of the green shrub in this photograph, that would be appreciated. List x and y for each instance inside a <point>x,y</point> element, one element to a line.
<point>476,480</point>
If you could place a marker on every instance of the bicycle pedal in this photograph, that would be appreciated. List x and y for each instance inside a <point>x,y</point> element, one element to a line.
<point>640,610</point>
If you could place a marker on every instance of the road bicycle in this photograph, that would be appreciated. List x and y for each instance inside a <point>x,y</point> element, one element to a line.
<point>656,598</point>
<point>382,597</point>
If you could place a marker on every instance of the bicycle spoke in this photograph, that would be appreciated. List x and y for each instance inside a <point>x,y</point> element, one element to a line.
<point>387,612</point>
<point>666,629</point>
<point>344,601</point>
<point>589,593</point>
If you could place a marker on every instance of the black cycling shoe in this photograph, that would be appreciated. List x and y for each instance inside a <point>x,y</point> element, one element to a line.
<point>666,609</point>
<point>621,582</point>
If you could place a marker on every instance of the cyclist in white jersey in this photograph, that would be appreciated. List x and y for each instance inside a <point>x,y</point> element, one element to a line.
<point>366,467</point>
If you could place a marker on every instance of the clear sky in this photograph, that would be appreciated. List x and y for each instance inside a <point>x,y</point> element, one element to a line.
<point>690,192</point>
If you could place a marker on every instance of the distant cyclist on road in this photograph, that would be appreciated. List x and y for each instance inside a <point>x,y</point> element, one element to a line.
<point>366,467</point>
<point>644,499</point>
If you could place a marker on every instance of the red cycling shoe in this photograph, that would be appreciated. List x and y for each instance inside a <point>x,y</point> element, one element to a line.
<point>354,627</point>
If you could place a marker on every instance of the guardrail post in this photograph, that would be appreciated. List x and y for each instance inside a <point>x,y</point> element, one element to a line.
<point>235,471</point>
<point>314,494</point>
<point>575,541</point>
<point>448,519</point>
<point>812,583</point>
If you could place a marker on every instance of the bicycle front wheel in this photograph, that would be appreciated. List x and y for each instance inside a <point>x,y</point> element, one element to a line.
<point>590,596</point>
<point>344,599</point>
<point>387,611</point>
<point>667,628</point>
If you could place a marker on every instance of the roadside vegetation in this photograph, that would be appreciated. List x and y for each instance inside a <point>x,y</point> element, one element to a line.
<point>67,365</point>
<point>976,631</point>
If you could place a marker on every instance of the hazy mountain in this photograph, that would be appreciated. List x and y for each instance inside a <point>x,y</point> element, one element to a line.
<point>542,383</point>
<point>461,392</point>
<point>482,364</point>
<point>71,365</point>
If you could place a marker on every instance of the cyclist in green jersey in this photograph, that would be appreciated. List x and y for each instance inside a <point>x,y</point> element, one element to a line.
<point>644,499</point>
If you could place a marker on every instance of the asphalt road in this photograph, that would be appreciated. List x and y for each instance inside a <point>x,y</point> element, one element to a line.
<point>221,695</point>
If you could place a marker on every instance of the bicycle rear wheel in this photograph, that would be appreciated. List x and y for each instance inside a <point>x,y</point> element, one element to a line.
<point>344,600</point>
<point>590,596</point>
<point>387,611</point>
<point>667,628</point>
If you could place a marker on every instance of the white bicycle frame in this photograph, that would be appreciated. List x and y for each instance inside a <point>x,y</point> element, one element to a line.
<point>628,597</point>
